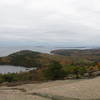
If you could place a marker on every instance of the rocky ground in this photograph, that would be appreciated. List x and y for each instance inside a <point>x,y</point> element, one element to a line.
<point>58,90</point>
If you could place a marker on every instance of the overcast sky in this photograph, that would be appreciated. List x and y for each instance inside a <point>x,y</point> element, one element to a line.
<point>73,22</point>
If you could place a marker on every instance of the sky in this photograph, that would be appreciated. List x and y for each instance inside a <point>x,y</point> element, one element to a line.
<point>63,22</point>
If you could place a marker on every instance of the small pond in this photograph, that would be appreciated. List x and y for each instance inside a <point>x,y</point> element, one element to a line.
<point>4,69</point>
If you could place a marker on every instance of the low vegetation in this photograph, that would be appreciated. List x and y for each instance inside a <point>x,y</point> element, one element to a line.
<point>18,77</point>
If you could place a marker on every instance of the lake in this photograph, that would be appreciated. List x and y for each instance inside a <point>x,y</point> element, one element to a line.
<point>4,69</point>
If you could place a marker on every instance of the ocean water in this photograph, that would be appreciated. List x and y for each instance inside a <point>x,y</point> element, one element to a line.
<point>4,51</point>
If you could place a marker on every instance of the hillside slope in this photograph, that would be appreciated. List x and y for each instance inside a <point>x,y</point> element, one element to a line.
<point>86,56</point>
<point>29,58</point>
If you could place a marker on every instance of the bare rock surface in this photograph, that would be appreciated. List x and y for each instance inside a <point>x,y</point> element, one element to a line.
<point>88,89</point>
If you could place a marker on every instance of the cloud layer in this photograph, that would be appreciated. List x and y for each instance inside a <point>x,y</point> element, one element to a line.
<point>68,21</point>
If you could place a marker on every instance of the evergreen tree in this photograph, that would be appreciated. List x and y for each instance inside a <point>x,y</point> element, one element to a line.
<point>54,71</point>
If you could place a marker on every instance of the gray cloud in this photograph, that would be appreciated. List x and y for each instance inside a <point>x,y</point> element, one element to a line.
<point>75,21</point>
